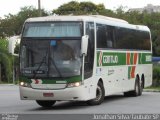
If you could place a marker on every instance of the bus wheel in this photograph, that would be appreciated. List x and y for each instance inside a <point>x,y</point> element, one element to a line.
<point>137,90</point>
<point>100,93</point>
<point>45,103</point>
<point>140,88</point>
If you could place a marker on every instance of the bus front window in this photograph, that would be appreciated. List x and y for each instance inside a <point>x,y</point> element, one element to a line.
<point>65,58</point>
<point>51,49</point>
<point>53,29</point>
<point>50,58</point>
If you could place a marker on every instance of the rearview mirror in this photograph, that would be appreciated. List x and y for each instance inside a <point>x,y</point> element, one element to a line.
<point>13,41</point>
<point>84,45</point>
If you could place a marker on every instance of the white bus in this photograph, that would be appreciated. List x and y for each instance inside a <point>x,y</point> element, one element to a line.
<point>83,58</point>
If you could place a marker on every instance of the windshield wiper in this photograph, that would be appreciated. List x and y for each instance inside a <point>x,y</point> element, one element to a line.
<point>52,60</point>
<point>43,61</point>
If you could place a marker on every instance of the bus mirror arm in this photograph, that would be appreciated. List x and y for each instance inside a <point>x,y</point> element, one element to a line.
<point>84,45</point>
<point>16,55</point>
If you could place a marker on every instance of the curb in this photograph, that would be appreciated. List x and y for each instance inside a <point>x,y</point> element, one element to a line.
<point>151,90</point>
<point>7,85</point>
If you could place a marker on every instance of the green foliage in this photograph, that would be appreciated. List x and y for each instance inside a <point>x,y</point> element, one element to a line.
<point>156,76</point>
<point>3,45</point>
<point>16,50</point>
<point>77,8</point>
<point>5,61</point>
<point>12,24</point>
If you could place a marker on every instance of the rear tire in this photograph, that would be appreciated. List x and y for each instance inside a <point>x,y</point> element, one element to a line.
<point>45,103</point>
<point>100,93</point>
<point>140,88</point>
<point>137,90</point>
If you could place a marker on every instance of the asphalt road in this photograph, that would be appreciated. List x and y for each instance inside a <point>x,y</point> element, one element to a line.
<point>10,102</point>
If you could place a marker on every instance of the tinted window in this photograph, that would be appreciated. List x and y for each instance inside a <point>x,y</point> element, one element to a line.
<point>52,29</point>
<point>132,39</point>
<point>101,36</point>
<point>144,39</point>
<point>110,36</point>
<point>89,59</point>
<point>105,36</point>
<point>122,38</point>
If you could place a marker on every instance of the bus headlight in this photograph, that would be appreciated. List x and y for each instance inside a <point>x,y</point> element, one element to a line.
<point>76,84</point>
<point>24,84</point>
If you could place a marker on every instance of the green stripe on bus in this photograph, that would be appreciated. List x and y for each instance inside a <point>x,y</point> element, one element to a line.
<point>145,58</point>
<point>115,59</point>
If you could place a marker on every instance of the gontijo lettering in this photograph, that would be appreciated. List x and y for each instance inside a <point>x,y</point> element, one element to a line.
<point>110,59</point>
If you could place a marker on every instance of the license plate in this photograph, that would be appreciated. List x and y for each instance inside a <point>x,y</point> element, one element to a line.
<point>48,94</point>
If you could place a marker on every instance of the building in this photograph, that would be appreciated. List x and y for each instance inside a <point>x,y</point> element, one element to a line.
<point>149,9</point>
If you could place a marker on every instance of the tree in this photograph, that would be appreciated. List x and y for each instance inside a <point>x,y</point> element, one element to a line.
<point>27,12</point>
<point>5,61</point>
<point>77,8</point>
<point>12,24</point>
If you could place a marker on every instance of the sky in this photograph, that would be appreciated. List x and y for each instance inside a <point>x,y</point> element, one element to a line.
<point>13,6</point>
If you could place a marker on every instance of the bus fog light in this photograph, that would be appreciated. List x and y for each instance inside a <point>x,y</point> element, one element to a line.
<point>24,84</point>
<point>76,84</point>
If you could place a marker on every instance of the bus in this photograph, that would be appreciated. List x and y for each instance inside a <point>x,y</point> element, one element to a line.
<point>83,58</point>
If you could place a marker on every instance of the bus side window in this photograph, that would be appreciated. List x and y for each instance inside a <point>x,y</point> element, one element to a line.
<point>110,38</point>
<point>89,59</point>
<point>101,36</point>
<point>105,36</point>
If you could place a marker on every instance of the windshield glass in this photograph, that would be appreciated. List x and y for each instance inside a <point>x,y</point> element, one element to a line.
<point>50,58</point>
<point>52,29</point>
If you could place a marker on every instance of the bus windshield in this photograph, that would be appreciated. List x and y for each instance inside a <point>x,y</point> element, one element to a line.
<point>51,49</point>
<point>50,58</point>
<point>52,29</point>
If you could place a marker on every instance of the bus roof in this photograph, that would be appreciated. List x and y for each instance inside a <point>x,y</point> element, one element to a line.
<point>97,18</point>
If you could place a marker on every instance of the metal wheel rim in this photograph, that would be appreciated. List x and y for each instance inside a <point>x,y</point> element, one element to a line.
<point>98,94</point>
<point>137,88</point>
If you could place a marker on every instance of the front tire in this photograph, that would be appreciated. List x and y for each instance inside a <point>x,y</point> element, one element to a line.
<point>100,93</point>
<point>45,103</point>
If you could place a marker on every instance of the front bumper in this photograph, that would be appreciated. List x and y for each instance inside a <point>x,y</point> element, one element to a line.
<point>75,93</point>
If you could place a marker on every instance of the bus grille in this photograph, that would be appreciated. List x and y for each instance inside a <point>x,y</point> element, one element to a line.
<point>48,86</point>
